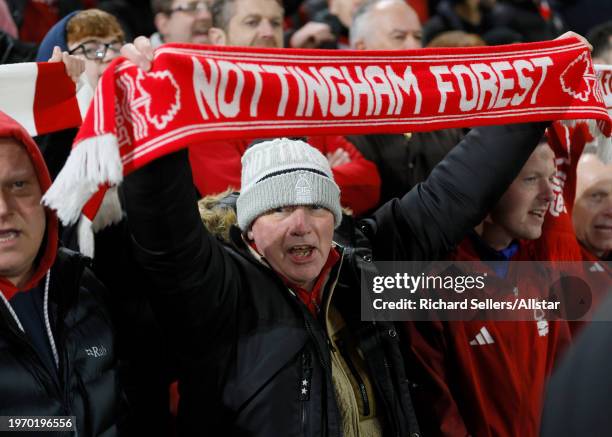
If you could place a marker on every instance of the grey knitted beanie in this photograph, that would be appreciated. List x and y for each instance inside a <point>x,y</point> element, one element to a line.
<point>284,172</point>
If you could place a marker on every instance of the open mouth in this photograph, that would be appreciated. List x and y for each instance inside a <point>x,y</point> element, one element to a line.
<point>604,228</point>
<point>8,235</point>
<point>539,213</point>
<point>302,251</point>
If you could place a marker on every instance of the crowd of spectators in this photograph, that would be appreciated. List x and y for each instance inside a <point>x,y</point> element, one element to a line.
<point>200,296</point>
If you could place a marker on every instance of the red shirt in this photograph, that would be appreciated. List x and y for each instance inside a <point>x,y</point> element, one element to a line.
<point>484,378</point>
<point>312,299</point>
<point>216,167</point>
<point>38,17</point>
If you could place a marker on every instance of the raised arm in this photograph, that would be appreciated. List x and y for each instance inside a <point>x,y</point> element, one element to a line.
<point>435,215</point>
<point>194,288</point>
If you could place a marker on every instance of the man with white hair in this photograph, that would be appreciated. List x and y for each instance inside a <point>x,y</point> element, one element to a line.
<point>586,371</point>
<point>385,25</point>
<point>592,219</point>
<point>592,211</point>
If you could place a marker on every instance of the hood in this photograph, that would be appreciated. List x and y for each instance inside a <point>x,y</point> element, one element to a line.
<point>55,37</point>
<point>46,255</point>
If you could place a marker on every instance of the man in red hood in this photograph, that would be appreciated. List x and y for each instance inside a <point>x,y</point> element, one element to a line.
<point>56,345</point>
<point>23,178</point>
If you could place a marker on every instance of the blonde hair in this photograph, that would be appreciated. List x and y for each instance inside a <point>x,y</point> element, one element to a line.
<point>217,216</point>
<point>93,23</point>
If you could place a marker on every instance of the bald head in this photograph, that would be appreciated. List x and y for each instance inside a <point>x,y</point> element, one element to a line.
<point>592,212</point>
<point>385,25</point>
<point>591,171</point>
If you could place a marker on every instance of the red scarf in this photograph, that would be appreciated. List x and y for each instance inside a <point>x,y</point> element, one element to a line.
<point>195,94</point>
<point>42,97</point>
<point>312,299</point>
<point>558,241</point>
<point>604,77</point>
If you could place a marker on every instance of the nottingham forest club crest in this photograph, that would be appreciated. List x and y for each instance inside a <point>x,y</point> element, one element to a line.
<point>303,191</point>
<point>137,106</point>
<point>581,67</point>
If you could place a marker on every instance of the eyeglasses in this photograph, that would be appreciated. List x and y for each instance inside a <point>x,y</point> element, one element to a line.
<point>96,50</point>
<point>190,8</point>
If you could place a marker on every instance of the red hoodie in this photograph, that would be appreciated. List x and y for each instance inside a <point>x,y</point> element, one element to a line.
<point>11,129</point>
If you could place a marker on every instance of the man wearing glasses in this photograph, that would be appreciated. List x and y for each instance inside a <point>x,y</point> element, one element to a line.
<point>92,35</point>
<point>95,37</point>
<point>181,21</point>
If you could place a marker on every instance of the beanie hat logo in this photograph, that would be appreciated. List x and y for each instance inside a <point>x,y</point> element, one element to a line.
<point>303,192</point>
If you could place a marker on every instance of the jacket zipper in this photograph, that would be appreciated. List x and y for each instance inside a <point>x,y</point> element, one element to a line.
<point>305,385</point>
<point>304,419</point>
<point>320,353</point>
<point>35,360</point>
<point>362,388</point>
<point>327,372</point>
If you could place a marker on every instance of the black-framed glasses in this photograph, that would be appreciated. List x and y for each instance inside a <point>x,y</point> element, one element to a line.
<point>191,8</point>
<point>96,50</point>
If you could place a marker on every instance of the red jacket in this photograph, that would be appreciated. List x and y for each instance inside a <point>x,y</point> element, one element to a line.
<point>493,385</point>
<point>484,378</point>
<point>217,167</point>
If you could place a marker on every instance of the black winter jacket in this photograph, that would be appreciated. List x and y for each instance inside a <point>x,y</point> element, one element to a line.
<point>12,50</point>
<point>246,342</point>
<point>86,385</point>
<point>578,400</point>
<point>404,161</point>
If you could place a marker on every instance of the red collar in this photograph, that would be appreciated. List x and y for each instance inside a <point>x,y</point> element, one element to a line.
<point>312,299</point>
